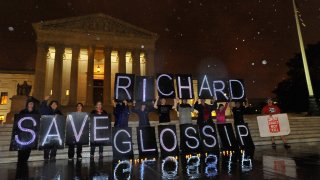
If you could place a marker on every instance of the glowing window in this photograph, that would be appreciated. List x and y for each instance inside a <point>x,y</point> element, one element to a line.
<point>4,98</point>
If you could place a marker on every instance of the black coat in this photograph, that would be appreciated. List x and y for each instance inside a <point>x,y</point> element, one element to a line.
<point>201,109</point>
<point>47,110</point>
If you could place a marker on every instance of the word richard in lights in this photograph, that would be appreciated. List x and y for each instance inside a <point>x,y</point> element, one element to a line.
<point>141,88</point>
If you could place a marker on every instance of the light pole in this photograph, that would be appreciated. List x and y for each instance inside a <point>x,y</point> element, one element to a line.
<point>313,107</point>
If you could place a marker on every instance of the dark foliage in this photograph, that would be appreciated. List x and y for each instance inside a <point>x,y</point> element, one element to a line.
<point>292,93</point>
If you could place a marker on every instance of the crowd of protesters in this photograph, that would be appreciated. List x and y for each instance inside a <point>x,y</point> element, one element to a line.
<point>122,110</point>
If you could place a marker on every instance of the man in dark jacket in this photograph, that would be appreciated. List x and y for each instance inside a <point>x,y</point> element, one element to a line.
<point>23,155</point>
<point>52,109</point>
<point>121,113</point>
<point>204,111</point>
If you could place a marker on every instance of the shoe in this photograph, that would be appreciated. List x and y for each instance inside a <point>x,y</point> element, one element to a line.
<point>70,159</point>
<point>286,145</point>
<point>274,145</point>
<point>79,158</point>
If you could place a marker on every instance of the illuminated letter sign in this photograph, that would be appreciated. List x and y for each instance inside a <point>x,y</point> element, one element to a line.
<point>100,127</point>
<point>52,131</point>
<point>122,143</point>
<point>168,140</point>
<point>236,89</point>
<point>165,86</point>
<point>219,90</point>
<point>144,89</point>
<point>189,138</point>
<point>147,143</point>
<point>228,140</point>
<point>244,137</point>
<point>77,129</point>
<point>209,138</point>
<point>204,88</point>
<point>124,85</point>
<point>25,132</point>
<point>185,86</point>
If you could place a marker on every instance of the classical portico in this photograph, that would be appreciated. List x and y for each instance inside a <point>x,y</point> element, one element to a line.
<point>77,58</point>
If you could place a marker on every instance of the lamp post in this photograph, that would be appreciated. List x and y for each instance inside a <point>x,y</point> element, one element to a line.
<point>313,107</point>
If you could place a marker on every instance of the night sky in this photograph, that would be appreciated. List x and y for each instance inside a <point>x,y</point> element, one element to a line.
<point>248,39</point>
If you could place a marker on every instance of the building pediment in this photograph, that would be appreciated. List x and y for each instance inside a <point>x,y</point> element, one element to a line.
<point>95,23</point>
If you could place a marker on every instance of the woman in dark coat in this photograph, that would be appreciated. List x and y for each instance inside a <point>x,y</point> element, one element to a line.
<point>121,113</point>
<point>98,111</point>
<point>51,109</point>
<point>23,155</point>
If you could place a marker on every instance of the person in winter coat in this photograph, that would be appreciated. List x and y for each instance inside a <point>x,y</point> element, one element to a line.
<point>23,155</point>
<point>271,109</point>
<point>121,113</point>
<point>163,110</point>
<point>238,111</point>
<point>51,109</point>
<point>204,111</point>
<point>185,110</point>
<point>79,147</point>
<point>98,111</point>
<point>143,113</point>
<point>221,113</point>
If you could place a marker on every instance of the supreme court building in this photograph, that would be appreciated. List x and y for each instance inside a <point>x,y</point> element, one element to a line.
<point>77,57</point>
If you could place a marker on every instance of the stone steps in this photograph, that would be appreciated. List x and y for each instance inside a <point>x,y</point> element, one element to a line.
<point>303,129</point>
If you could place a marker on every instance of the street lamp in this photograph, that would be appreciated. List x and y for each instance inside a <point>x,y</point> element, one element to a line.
<point>313,107</point>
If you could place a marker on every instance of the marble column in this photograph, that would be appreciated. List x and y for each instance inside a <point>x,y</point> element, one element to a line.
<point>136,62</point>
<point>40,71</point>
<point>107,77</point>
<point>122,60</point>
<point>57,73</point>
<point>91,51</point>
<point>73,93</point>
<point>150,71</point>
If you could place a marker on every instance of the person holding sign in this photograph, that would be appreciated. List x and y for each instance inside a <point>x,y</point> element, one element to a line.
<point>271,109</point>
<point>23,155</point>
<point>204,111</point>
<point>238,111</point>
<point>185,110</point>
<point>221,113</point>
<point>79,147</point>
<point>121,113</point>
<point>52,109</point>
<point>142,113</point>
<point>163,110</point>
<point>97,111</point>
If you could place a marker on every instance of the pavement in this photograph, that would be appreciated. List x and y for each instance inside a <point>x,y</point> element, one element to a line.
<point>301,161</point>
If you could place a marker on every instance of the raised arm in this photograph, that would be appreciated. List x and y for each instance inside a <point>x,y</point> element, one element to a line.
<point>44,105</point>
<point>196,104</point>
<point>175,103</point>
<point>246,103</point>
<point>155,104</point>
<point>213,104</point>
<point>114,103</point>
<point>226,106</point>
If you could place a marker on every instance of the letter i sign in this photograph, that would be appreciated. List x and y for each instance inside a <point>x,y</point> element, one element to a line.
<point>274,125</point>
